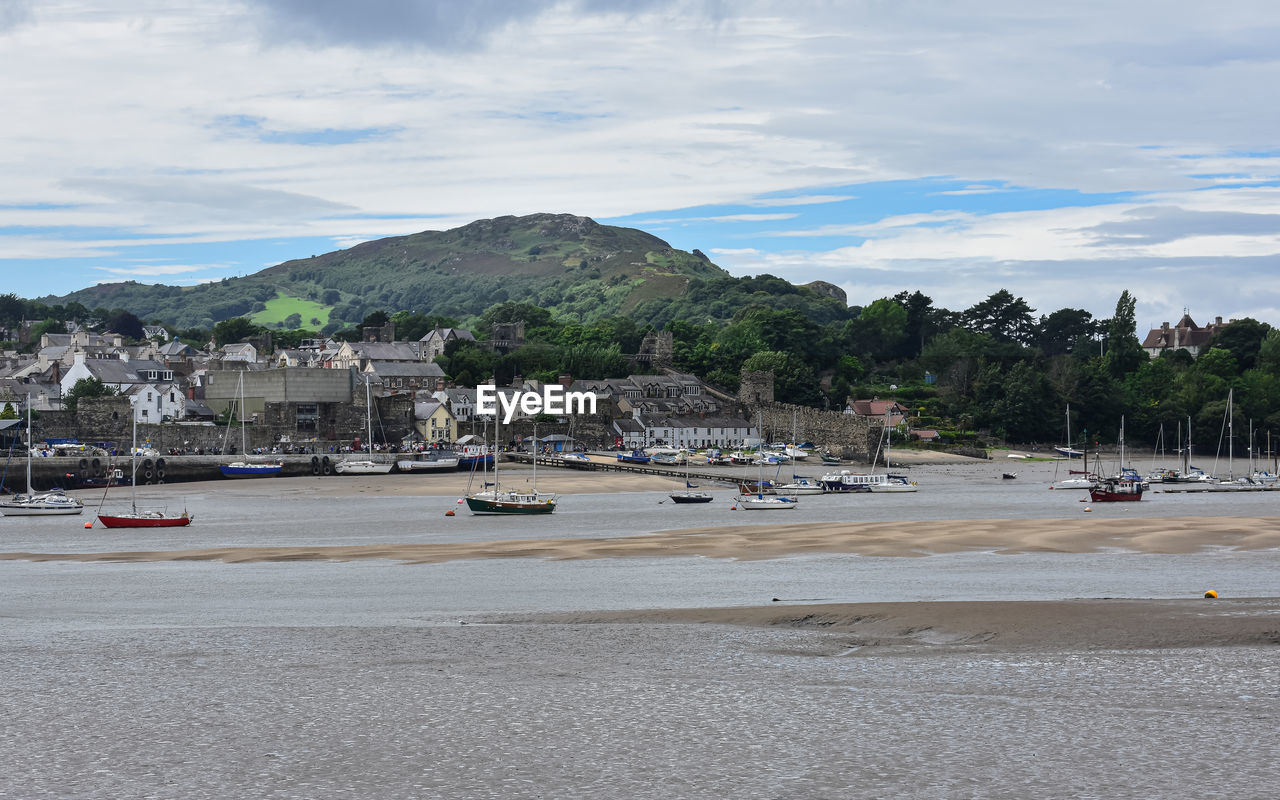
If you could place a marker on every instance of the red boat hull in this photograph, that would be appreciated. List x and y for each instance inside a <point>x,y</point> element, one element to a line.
<point>144,522</point>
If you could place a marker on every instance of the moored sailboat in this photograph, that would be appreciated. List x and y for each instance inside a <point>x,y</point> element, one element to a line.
<point>365,466</point>
<point>497,500</point>
<point>136,518</point>
<point>245,468</point>
<point>39,504</point>
<point>689,495</point>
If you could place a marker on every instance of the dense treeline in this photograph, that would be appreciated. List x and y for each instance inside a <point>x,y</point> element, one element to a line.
<point>993,367</point>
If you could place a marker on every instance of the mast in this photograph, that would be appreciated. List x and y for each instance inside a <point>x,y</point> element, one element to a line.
<point>368,413</point>
<point>536,444</point>
<point>29,492</point>
<point>1069,445</point>
<point>1186,451</point>
<point>133,468</point>
<point>243,442</point>
<point>1122,444</point>
<point>1231,471</point>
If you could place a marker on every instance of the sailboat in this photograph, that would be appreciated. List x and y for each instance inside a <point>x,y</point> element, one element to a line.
<point>758,500</point>
<point>496,500</point>
<point>890,483</point>
<point>246,469</point>
<point>135,518</point>
<point>38,504</point>
<point>794,450</point>
<point>1085,482</point>
<point>689,495</point>
<point>1067,450</point>
<point>1126,485</point>
<point>367,466</point>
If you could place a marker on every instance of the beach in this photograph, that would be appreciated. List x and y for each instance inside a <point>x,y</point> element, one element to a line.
<point>333,637</point>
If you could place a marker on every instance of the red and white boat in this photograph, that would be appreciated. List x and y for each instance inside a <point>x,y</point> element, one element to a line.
<point>144,518</point>
<point>1110,490</point>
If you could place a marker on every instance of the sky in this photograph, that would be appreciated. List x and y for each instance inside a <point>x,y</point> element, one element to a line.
<point>1062,151</point>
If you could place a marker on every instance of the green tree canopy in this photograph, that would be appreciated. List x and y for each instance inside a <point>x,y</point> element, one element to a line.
<point>86,387</point>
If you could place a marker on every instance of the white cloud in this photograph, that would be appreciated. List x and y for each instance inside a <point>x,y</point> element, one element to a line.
<point>151,123</point>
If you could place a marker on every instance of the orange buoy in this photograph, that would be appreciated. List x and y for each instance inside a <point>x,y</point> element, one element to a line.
<point>88,525</point>
<point>1086,508</point>
<point>733,508</point>
<point>449,513</point>
<point>1211,594</point>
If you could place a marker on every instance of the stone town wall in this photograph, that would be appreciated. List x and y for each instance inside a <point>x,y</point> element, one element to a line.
<point>846,435</point>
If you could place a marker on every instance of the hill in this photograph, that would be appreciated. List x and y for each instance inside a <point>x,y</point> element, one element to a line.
<point>571,265</point>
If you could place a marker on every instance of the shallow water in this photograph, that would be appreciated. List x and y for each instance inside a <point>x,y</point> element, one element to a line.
<point>327,680</point>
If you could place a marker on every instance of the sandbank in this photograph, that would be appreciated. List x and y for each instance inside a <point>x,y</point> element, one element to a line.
<point>874,628</point>
<point>749,542</point>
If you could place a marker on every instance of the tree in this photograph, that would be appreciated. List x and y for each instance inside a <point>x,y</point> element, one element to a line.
<point>236,329</point>
<point>1002,316</point>
<point>882,327</point>
<point>86,387</point>
<point>8,412</point>
<point>1064,331</point>
<point>1124,351</point>
<point>793,380</point>
<point>293,321</point>
<point>1244,338</point>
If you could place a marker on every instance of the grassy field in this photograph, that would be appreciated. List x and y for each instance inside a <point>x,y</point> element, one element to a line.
<point>281,306</point>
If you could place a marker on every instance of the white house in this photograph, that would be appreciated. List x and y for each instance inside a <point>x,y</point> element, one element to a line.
<point>156,402</point>
<point>119,375</point>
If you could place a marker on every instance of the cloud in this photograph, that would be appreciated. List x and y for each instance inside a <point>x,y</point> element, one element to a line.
<point>1161,224</point>
<point>155,270</point>
<point>721,218</point>
<point>802,200</point>
<point>14,13</point>
<point>436,24</point>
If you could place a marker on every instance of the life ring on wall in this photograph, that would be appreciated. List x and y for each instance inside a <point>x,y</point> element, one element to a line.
<point>159,463</point>
<point>326,469</point>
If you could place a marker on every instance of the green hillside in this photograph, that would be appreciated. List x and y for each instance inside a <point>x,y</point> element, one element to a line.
<point>571,265</point>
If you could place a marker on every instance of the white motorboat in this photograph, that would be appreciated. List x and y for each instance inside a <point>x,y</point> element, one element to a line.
<point>800,485</point>
<point>429,461</point>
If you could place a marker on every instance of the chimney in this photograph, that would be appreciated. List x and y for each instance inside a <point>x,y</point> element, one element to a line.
<point>566,381</point>
<point>1164,326</point>
<point>1217,321</point>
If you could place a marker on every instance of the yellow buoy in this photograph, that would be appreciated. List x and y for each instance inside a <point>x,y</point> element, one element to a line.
<point>1211,594</point>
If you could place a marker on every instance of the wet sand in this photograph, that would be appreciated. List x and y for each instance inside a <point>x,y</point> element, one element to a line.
<point>1046,626</point>
<point>750,542</point>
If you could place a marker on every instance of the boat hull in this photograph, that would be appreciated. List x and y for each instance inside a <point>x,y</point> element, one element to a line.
<point>479,505</point>
<point>691,498</point>
<point>361,468</point>
<point>427,466</point>
<point>143,521</point>
<point>249,470</point>
<point>766,503</point>
<point>36,510</point>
